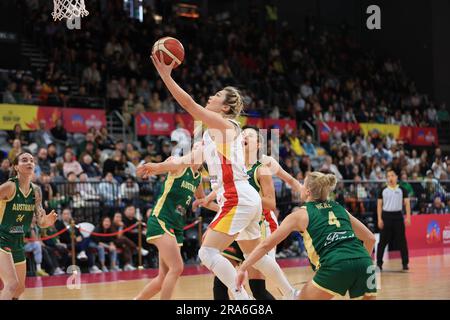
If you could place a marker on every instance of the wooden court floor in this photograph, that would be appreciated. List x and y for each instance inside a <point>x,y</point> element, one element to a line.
<point>428,278</point>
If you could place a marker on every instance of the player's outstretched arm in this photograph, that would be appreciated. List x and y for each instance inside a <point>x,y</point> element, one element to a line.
<point>296,221</point>
<point>210,118</point>
<point>276,169</point>
<point>205,201</point>
<point>363,233</point>
<point>267,189</point>
<point>172,164</point>
<point>43,220</point>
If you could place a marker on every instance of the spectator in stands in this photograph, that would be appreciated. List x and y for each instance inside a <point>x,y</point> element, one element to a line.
<point>437,206</point>
<point>166,149</point>
<point>55,253</point>
<point>122,241</point>
<point>91,169</point>
<point>91,78</point>
<point>438,167</point>
<point>17,133</point>
<point>47,189</point>
<point>87,191</point>
<point>346,168</point>
<point>35,246</point>
<point>5,170</point>
<point>52,154</point>
<point>114,165</point>
<point>155,103</point>
<point>43,162</point>
<point>109,191</point>
<point>309,147</point>
<point>103,140</point>
<point>105,244</point>
<point>15,150</point>
<point>129,191</point>
<point>431,186</point>
<point>331,167</point>
<point>9,94</point>
<point>88,145</point>
<point>81,243</point>
<point>59,133</point>
<point>71,164</point>
<point>43,137</point>
<point>130,219</point>
<point>359,146</point>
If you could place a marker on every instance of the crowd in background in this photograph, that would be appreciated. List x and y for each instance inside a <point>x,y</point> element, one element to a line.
<point>317,76</point>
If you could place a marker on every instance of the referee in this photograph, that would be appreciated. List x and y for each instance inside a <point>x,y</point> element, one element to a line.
<point>390,218</point>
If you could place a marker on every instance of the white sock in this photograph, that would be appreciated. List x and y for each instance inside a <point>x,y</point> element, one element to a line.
<point>38,266</point>
<point>272,271</point>
<point>226,272</point>
<point>223,269</point>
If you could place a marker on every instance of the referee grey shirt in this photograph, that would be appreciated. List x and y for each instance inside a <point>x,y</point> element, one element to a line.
<point>393,198</point>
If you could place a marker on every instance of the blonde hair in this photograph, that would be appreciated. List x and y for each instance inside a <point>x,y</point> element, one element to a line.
<point>233,99</point>
<point>320,184</point>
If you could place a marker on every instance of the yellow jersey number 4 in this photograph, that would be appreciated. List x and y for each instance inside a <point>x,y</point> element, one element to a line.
<point>333,220</point>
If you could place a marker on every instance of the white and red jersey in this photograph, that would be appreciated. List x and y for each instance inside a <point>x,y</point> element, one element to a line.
<point>226,164</point>
<point>240,204</point>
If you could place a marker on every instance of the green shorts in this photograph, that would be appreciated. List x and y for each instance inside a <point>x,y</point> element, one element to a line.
<point>157,227</point>
<point>357,276</point>
<point>13,245</point>
<point>234,252</point>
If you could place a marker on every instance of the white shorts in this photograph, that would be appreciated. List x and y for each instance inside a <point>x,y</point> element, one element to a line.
<point>268,226</point>
<point>240,212</point>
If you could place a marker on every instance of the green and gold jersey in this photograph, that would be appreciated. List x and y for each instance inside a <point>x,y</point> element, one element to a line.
<point>16,213</point>
<point>253,180</point>
<point>329,236</point>
<point>176,196</point>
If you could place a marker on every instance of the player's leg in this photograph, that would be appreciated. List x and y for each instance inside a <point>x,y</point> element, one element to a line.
<point>8,275</point>
<point>257,283</point>
<point>312,292</point>
<point>155,285</point>
<point>248,239</point>
<point>268,267</point>
<point>171,255</point>
<point>220,290</point>
<point>21,271</point>
<point>256,279</point>
<point>210,255</point>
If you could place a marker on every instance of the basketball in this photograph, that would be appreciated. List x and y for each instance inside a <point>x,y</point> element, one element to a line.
<point>171,48</point>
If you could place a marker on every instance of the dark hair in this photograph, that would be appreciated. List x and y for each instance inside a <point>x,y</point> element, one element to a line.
<point>260,137</point>
<point>390,169</point>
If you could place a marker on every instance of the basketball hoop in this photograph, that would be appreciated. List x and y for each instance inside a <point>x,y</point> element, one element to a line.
<point>68,9</point>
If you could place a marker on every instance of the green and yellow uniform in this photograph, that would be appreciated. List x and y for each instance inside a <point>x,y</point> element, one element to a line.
<point>16,215</point>
<point>169,214</point>
<point>233,251</point>
<point>339,258</point>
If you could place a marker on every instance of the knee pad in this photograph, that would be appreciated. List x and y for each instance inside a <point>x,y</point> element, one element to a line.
<point>209,256</point>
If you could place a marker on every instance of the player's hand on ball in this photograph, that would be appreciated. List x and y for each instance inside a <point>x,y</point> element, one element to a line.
<point>163,69</point>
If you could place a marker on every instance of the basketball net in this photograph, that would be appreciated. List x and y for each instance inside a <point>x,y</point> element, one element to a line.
<point>68,9</point>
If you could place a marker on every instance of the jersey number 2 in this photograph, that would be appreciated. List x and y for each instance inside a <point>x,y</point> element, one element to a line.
<point>333,220</point>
